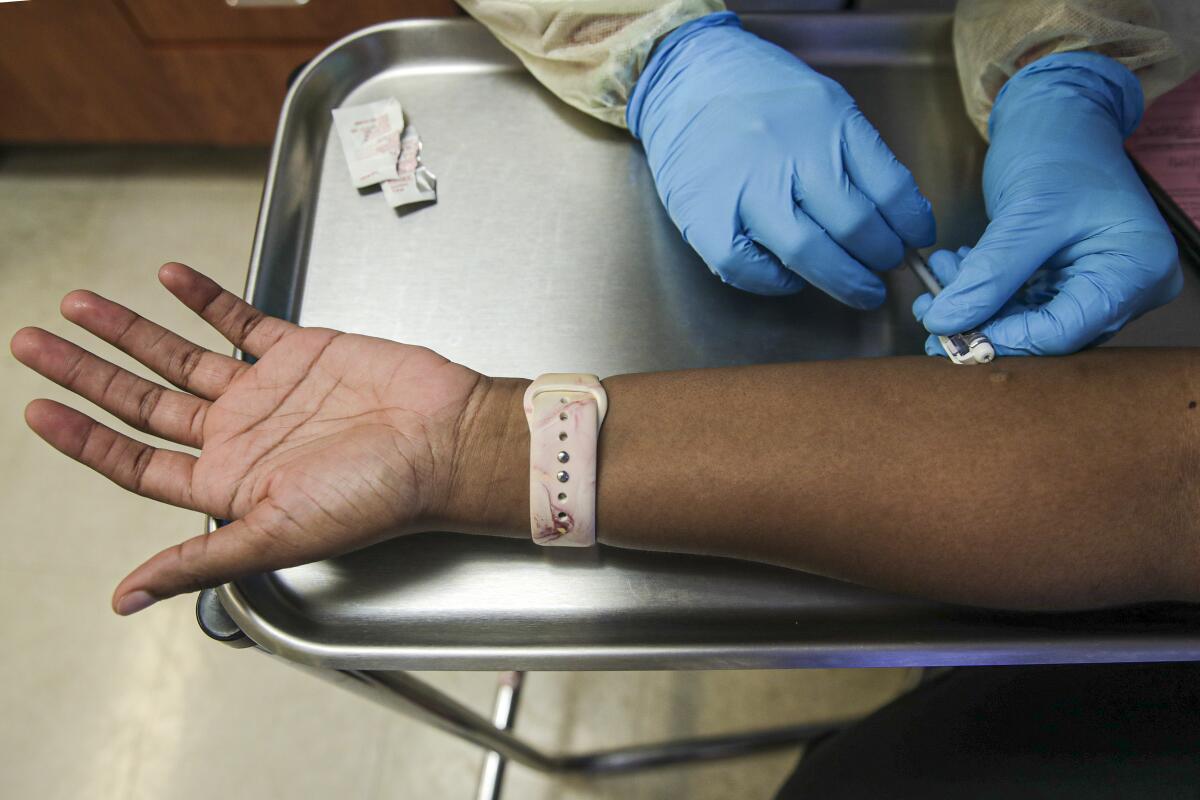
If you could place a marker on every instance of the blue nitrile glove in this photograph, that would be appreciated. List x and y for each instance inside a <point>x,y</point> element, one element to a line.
<point>769,169</point>
<point>1062,198</point>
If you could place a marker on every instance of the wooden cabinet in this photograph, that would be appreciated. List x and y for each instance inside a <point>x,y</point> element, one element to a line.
<point>195,71</point>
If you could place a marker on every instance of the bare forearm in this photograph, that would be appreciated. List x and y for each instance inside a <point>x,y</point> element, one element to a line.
<point>1033,483</point>
<point>1049,483</point>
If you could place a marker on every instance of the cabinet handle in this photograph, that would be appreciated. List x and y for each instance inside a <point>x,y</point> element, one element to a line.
<point>265,3</point>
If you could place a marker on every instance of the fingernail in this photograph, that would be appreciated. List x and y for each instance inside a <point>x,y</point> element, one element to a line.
<point>134,602</point>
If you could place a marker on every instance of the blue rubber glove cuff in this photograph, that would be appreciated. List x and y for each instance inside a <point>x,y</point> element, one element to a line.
<point>1059,77</point>
<point>660,56</point>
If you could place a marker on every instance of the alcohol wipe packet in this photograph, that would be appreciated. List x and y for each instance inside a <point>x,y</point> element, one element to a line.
<point>379,148</point>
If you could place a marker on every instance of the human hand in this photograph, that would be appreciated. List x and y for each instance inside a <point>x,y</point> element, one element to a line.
<point>328,443</point>
<point>769,169</point>
<point>1067,209</point>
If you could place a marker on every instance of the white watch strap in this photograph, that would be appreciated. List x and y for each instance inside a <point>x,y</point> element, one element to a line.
<point>565,412</point>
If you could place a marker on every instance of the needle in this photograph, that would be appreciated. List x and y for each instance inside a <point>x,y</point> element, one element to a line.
<point>971,347</point>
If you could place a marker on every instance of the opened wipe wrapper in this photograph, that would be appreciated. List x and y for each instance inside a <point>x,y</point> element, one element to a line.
<point>379,148</point>
<point>414,183</point>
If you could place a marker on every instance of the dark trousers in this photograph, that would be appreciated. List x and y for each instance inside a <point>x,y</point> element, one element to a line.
<point>1129,731</point>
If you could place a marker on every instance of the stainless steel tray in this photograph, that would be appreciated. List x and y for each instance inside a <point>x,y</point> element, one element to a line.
<point>548,249</point>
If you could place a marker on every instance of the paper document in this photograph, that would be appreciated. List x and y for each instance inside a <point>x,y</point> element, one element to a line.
<point>1167,145</point>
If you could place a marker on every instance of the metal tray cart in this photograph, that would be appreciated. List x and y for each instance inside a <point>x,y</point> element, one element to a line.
<point>541,207</point>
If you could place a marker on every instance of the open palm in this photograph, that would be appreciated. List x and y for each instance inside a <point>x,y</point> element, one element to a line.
<point>329,442</point>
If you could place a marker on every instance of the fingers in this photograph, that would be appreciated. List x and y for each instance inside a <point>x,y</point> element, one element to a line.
<point>1012,248</point>
<point>181,362</point>
<point>945,265</point>
<point>1062,311</point>
<point>887,183</point>
<point>144,405</point>
<point>256,543</point>
<point>738,261</point>
<point>803,247</point>
<point>163,475</point>
<point>1091,304</point>
<point>850,219</point>
<point>249,329</point>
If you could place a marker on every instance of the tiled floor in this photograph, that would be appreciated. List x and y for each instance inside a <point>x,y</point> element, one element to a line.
<point>94,706</point>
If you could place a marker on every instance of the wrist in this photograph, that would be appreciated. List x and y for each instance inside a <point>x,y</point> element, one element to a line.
<point>1062,119</point>
<point>663,65</point>
<point>1066,95</point>
<point>488,487</point>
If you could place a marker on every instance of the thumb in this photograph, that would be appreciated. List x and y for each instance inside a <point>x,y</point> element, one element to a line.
<point>945,265</point>
<point>1014,246</point>
<point>244,547</point>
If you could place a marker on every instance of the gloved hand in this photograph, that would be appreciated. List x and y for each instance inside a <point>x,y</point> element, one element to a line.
<point>769,169</point>
<point>1062,198</point>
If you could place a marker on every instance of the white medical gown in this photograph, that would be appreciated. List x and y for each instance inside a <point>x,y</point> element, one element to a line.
<point>591,52</point>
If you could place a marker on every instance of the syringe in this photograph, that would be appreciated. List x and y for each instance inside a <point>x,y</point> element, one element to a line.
<point>971,347</point>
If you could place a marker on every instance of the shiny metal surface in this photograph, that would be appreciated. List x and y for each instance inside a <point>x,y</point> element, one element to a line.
<point>548,250</point>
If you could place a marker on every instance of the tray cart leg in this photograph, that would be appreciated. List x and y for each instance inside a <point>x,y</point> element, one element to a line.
<point>406,693</point>
<point>504,717</point>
